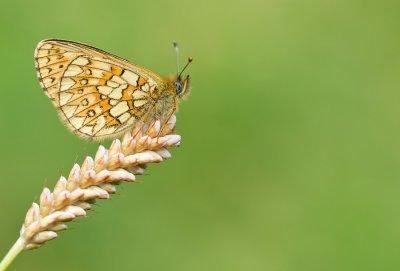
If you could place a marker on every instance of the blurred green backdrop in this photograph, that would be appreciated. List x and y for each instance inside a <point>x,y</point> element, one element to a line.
<point>291,136</point>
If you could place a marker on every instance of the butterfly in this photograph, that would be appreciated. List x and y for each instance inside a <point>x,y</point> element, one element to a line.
<point>99,95</point>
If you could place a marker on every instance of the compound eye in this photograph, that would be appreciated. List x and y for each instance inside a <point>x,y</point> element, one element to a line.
<point>178,87</point>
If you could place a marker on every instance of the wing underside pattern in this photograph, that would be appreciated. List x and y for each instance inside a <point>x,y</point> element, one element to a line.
<point>97,95</point>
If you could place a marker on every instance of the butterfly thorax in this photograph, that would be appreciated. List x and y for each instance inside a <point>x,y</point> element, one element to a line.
<point>164,102</point>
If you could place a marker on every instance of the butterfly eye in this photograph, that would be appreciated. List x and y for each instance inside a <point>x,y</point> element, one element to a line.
<point>178,86</point>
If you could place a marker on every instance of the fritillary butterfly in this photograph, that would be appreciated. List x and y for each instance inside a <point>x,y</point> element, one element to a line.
<point>99,95</point>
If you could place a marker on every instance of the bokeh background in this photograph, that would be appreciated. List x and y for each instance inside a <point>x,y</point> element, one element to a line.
<point>290,157</point>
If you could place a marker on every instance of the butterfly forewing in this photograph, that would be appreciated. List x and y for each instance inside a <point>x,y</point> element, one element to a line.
<point>97,94</point>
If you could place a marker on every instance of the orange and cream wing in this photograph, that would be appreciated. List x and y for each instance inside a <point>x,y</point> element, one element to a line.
<point>98,95</point>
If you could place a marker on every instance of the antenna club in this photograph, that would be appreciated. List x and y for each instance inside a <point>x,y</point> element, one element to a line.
<point>190,59</point>
<point>175,44</point>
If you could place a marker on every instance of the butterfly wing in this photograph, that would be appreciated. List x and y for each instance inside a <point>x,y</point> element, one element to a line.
<point>97,94</point>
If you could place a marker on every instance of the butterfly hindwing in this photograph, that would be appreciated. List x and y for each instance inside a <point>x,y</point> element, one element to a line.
<point>97,94</point>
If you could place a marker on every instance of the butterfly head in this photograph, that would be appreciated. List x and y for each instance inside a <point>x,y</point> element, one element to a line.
<point>180,84</point>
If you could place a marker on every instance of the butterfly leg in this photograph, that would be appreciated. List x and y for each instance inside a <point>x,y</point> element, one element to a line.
<point>140,128</point>
<point>165,122</point>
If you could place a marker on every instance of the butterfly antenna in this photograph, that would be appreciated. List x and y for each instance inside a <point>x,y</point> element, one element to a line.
<point>190,59</point>
<point>177,56</point>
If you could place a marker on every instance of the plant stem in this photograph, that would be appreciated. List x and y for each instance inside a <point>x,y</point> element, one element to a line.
<point>12,253</point>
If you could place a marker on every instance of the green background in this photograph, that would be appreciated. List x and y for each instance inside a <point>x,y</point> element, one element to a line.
<point>291,136</point>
